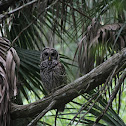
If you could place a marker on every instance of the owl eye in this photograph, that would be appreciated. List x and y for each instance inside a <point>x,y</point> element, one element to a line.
<point>46,54</point>
<point>53,54</point>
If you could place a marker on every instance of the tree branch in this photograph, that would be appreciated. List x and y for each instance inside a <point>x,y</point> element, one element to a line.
<point>81,85</point>
<point>17,9</point>
<point>34,121</point>
<point>4,5</point>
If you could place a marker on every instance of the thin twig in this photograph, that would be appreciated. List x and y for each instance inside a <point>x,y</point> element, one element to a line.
<point>112,96</point>
<point>32,22</point>
<point>77,10</point>
<point>35,120</point>
<point>103,89</point>
<point>82,107</point>
<point>17,9</point>
<point>56,116</point>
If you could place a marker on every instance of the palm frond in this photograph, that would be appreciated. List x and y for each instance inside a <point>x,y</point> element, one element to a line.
<point>8,79</point>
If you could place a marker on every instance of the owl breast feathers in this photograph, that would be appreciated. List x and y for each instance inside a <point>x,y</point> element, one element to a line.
<point>52,72</point>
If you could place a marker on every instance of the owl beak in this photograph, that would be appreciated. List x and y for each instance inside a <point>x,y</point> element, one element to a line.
<point>49,58</point>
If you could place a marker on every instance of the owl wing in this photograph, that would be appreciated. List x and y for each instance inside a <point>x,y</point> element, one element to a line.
<point>60,75</point>
<point>45,76</point>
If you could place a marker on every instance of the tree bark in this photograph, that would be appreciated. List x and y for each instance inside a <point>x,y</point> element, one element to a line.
<point>81,85</point>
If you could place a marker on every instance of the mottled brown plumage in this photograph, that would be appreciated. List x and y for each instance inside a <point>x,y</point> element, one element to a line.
<point>52,72</point>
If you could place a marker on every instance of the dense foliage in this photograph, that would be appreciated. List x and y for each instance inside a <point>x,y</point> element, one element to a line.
<point>86,33</point>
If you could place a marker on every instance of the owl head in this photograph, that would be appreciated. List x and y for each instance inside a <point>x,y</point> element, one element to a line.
<point>49,54</point>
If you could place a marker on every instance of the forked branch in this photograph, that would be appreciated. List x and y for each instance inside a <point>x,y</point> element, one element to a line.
<point>81,85</point>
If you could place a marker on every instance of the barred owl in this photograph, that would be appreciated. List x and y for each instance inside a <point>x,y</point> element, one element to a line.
<point>52,72</point>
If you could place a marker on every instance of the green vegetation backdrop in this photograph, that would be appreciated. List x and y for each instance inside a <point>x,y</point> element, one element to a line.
<point>85,33</point>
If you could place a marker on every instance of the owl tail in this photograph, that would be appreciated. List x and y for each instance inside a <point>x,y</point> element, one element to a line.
<point>61,108</point>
